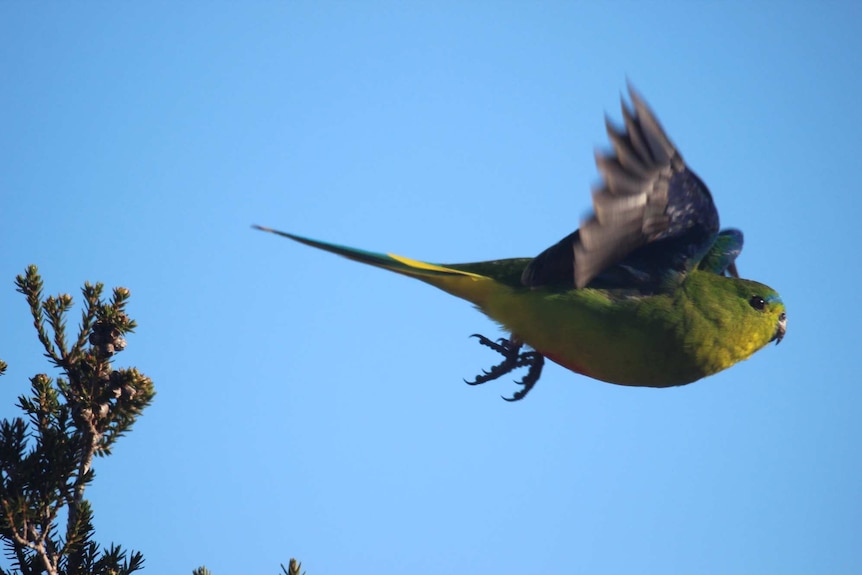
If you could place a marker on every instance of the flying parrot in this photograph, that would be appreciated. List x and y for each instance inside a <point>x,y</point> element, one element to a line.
<point>646,292</point>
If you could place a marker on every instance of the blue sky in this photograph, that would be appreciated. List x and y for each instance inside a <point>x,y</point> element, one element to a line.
<point>311,407</point>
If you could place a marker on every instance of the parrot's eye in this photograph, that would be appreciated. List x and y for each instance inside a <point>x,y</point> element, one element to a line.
<point>757,302</point>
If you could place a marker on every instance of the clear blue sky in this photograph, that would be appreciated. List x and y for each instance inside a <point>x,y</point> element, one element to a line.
<point>311,407</point>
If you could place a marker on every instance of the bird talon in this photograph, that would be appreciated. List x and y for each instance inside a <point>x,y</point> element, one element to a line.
<point>517,396</point>
<point>512,359</point>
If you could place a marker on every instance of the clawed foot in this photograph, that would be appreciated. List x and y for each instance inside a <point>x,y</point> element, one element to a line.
<point>512,359</point>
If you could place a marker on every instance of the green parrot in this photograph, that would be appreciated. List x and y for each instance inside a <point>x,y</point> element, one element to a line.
<point>646,292</point>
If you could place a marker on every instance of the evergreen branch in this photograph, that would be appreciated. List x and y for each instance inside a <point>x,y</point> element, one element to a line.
<point>91,294</point>
<point>55,308</point>
<point>10,531</point>
<point>30,284</point>
<point>28,540</point>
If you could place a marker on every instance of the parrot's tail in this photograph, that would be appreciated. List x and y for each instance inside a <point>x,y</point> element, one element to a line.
<point>461,283</point>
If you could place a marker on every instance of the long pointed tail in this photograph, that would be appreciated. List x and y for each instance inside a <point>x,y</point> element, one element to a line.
<point>470,286</point>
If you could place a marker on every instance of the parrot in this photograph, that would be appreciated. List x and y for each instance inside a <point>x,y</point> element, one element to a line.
<point>645,293</point>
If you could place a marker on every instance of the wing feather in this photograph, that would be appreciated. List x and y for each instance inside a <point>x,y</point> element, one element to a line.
<point>647,194</point>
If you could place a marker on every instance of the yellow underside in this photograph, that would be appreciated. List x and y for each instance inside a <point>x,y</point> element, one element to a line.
<point>655,341</point>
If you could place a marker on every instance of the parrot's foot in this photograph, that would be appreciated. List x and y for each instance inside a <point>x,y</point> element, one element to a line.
<point>512,359</point>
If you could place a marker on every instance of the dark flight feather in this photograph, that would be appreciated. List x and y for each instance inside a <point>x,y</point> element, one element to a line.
<point>652,216</point>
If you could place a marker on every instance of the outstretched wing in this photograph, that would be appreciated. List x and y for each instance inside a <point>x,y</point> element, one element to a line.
<point>652,214</point>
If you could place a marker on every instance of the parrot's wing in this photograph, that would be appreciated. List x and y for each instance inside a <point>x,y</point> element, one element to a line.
<point>652,215</point>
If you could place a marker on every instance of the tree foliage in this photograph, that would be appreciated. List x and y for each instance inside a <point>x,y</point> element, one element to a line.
<point>46,457</point>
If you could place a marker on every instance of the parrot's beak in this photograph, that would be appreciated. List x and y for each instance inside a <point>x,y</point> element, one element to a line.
<point>781,329</point>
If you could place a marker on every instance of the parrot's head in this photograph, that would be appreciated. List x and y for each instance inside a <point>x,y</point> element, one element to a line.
<point>758,316</point>
<point>747,314</point>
